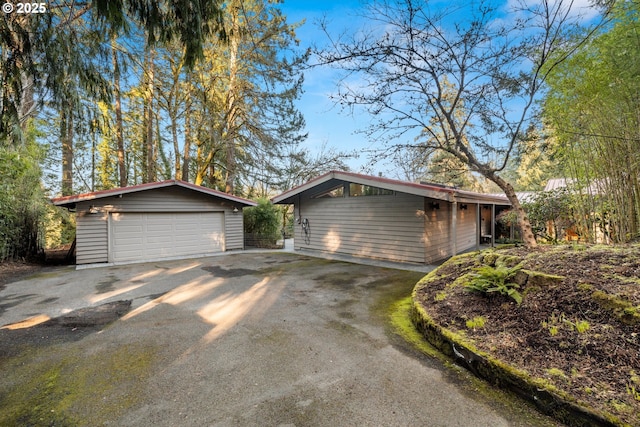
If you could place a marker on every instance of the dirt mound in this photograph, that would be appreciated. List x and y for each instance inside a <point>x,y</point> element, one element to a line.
<point>576,331</point>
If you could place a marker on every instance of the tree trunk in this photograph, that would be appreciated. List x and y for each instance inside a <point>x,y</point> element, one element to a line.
<point>523,220</point>
<point>231,104</point>
<point>27,101</point>
<point>203,166</point>
<point>176,147</point>
<point>186,156</point>
<point>150,147</point>
<point>122,169</point>
<point>66,139</point>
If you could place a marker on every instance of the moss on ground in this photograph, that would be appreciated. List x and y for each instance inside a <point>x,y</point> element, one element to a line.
<point>69,387</point>
<point>398,308</point>
<point>544,391</point>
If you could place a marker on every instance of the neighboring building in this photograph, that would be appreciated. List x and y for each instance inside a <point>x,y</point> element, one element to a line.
<point>373,217</point>
<point>564,227</point>
<point>161,220</point>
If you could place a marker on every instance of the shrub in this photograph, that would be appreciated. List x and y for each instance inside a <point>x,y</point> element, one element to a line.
<point>262,223</point>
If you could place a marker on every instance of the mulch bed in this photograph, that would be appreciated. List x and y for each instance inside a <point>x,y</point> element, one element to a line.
<point>580,333</point>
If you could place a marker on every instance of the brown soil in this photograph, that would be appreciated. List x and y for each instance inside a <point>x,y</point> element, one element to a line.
<point>579,333</point>
<point>11,271</point>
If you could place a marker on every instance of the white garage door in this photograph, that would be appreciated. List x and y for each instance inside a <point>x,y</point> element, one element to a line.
<point>146,236</point>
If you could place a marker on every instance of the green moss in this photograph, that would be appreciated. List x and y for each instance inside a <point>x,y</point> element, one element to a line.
<point>462,281</point>
<point>581,326</point>
<point>510,261</point>
<point>456,344</point>
<point>541,280</point>
<point>440,296</point>
<point>49,274</point>
<point>490,258</point>
<point>401,324</point>
<point>558,373</point>
<point>62,392</point>
<point>586,287</point>
<point>465,258</point>
<point>340,279</point>
<point>620,307</point>
<point>477,322</point>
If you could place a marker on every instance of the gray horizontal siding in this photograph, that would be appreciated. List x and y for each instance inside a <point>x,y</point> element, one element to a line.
<point>91,238</point>
<point>234,233</point>
<point>92,229</point>
<point>437,227</point>
<point>384,227</point>
<point>466,224</point>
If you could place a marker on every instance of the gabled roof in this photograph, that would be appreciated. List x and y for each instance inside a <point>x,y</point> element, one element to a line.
<point>434,191</point>
<point>70,201</point>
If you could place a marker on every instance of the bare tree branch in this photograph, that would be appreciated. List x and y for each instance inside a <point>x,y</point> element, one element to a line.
<point>464,79</point>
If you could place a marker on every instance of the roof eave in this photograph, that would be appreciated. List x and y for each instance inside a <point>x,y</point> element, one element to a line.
<point>71,201</point>
<point>422,190</point>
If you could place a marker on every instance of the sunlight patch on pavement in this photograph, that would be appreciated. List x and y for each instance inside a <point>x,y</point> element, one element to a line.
<point>27,323</point>
<point>101,297</point>
<point>226,311</point>
<point>163,271</point>
<point>181,294</point>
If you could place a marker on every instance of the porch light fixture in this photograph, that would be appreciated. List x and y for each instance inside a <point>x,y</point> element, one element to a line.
<point>435,205</point>
<point>463,207</point>
<point>93,209</point>
<point>235,209</point>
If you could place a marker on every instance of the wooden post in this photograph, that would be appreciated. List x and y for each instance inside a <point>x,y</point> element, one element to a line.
<point>493,225</point>
<point>454,228</point>
<point>478,226</point>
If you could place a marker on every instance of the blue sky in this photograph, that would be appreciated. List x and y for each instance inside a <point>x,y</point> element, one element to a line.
<point>326,123</point>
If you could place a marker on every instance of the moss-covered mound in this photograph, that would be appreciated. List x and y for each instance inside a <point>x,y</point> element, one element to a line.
<point>559,325</point>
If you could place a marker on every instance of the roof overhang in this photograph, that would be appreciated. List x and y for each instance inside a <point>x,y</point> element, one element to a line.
<point>334,178</point>
<point>70,201</point>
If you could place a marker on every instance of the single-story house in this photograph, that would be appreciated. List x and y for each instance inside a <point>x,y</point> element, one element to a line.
<point>160,220</point>
<point>374,217</point>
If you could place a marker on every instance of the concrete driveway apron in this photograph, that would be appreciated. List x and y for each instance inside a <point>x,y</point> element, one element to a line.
<point>251,339</point>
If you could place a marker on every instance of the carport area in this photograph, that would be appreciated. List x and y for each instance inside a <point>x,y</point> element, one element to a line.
<point>250,339</point>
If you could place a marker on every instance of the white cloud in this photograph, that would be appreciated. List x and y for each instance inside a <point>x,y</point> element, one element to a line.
<point>582,10</point>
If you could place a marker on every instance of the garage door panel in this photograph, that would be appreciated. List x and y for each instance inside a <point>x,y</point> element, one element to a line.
<point>188,228</point>
<point>131,228</point>
<point>139,237</point>
<point>130,242</point>
<point>158,241</point>
<point>159,229</point>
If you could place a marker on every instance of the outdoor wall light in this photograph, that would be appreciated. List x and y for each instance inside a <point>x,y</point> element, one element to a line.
<point>235,209</point>
<point>463,207</point>
<point>435,205</point>
<point>93,209</point>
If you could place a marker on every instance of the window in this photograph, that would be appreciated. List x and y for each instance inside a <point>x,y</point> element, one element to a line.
<point>334,192</point>
<point>356,190</point>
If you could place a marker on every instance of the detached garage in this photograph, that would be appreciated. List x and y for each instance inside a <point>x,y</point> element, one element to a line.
<point>161,220</point>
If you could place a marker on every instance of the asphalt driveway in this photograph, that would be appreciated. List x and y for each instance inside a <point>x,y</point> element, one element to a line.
<point>251,339</point>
